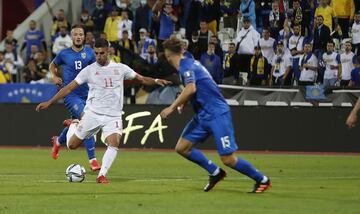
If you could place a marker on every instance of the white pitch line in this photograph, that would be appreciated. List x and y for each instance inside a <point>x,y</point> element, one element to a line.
<point>129,179</point>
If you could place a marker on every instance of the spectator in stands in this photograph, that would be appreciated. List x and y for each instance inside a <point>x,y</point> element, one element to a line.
<point>124,6</point>
<point>355,74</point>
<point>185,45</point>
<point>247,9</point>
<point>99,17</point>
<point>355,30</point>
<point>58,22</point>
<point>259,68</point>
<point>357,5</point>
<point>41,63</point>
<point>321,36</point>
<point>163,70</point>
<point>143,19</point>
<point>42,68</point>
<point>332,65</point>
<point>328,14</point>
<point>246,41</point>
<point>193,19</point>
<point>152,56</point>
<point>298,16</point>
<point>30,72</point>
<point>33,37</point>
<point>204,35</point>
<point>276,20</point>
<point>86,20</point>
<point>103,35</point>
<point>5,76</point>
<point>126,42</point>
<point>212,63</point>
<point>144,43</point>
<point>347,59</point>
<point>281,65</point>
<point>231,65</point>
<point>163,13</point>
<point>114,57</point>
<point>89,39</point>
<point>125,24</point>
<point>267,45</point>
<point>296,44</point>
<point>62,41</point>
<point>194,45</point>
<point>112,26</point>
<point>229,10</point>
<point>34,51</point>
<point>308,66</point>
<point>211,13</point>
<point>13,62</point>
<point>126,49</point>
<point>218,49</point>
<point>9,39</point>
<point>344,10</point>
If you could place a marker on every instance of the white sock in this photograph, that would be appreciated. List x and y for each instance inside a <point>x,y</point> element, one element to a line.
<point>217,171</point>
<point>69,134</point>
<point>57,141</point>
<point>107,160</point>
<point>92,160</point>
<point>265,179</point>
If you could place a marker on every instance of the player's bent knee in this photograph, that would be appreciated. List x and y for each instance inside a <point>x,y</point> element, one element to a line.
<point>183,147</point>
<point>229,160</point>
<point>113,140</point>
<point>74,142</point>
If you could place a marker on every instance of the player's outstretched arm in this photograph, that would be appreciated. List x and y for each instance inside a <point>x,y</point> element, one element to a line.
<point>61,94</point>
<point>151,81</point>
<point>186,94</point>
<point>352,118</point>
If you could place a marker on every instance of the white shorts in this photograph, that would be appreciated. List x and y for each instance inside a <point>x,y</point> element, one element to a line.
<point>92,122</point>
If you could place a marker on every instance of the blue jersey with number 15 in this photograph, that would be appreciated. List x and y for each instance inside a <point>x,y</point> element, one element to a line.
<point>73,62</point>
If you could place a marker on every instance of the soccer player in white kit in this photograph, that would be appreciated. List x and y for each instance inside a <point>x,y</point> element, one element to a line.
<point>104,103</point>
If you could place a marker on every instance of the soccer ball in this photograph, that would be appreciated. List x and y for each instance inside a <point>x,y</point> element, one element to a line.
<point>75,173</point>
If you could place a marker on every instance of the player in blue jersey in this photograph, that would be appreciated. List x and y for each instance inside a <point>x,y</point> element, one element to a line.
<point>212,117</point>
<point>73,60</point>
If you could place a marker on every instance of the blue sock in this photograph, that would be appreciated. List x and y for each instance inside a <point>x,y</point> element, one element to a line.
<point>62,136</point>
<point>247,169</point>
<point>199,158</point>
<point>90,147</point>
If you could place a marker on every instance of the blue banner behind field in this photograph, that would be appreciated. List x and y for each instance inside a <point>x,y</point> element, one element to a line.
<point>26,93</point>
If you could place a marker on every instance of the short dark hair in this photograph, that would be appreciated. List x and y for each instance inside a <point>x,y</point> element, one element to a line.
<point>330,42</point>
<point>320,16</point>
<point>349,42</point>
<point>101,43</point>
<point>267,29</point>
<point>78,26</point>
<point>174,45</point>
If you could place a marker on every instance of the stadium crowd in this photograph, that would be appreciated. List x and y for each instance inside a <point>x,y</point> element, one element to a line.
<point>243,42</point>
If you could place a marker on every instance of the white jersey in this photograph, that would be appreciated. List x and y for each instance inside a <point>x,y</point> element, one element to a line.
<point>308,75</point>
<point>347,65</point>
<point>355,30</point>
<point>296,42</point>
<point>331,59</point>
<point>267,48</point>
<point>106,86</point>
<point>280,63</point>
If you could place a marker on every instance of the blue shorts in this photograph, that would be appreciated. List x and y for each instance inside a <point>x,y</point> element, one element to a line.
<point>75,105</point>
<point>221,127</point>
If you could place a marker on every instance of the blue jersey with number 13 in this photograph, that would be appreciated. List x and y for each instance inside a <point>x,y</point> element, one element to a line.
<point>73,62</point>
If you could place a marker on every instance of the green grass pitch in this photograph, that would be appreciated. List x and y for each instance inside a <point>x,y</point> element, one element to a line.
<point>164,182</point>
